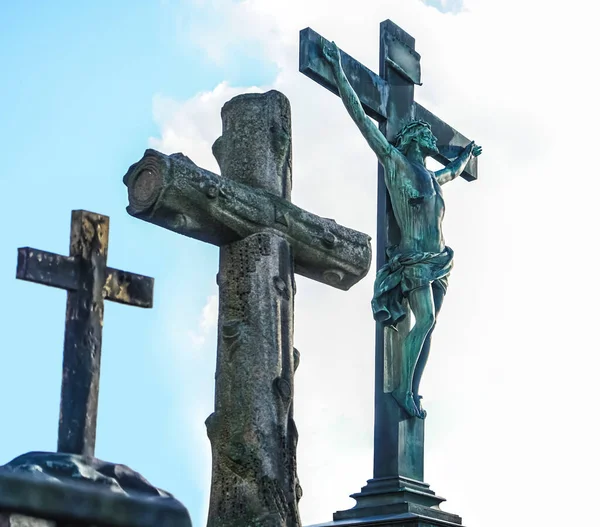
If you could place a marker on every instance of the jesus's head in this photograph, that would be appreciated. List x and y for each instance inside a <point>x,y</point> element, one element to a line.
<point>419,132</point>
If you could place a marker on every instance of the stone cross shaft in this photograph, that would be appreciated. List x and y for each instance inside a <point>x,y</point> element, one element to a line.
<point>88,281</point>
<point>398,466</point>
<point>264,239</point>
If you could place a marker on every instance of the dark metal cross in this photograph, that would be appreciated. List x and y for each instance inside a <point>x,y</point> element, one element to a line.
<point>389,99</point>
<point>88,282</point>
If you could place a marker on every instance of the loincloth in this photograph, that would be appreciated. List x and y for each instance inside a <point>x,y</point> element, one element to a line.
<point>402,274</point>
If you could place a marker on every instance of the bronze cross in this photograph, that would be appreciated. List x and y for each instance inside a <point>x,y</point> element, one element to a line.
<point>388,98</point>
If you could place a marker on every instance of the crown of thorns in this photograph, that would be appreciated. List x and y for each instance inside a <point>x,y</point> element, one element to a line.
<point>411,125</point>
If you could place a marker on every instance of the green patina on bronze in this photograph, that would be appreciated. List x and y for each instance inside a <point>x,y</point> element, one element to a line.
<point>418,266</point>
<point>411,256</point>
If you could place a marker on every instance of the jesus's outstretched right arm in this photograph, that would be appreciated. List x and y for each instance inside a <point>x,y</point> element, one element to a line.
<point>377,141</point>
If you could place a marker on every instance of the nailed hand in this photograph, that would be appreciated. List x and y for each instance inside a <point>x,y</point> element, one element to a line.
<point>473,149</point>
<point>331,53</point>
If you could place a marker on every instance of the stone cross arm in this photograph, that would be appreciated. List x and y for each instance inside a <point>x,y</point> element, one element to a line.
<point>174,193</point>
<point>377,94</point>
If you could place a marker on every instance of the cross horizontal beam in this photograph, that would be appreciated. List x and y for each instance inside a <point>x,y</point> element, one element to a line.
<point>371,89</point>
<point>375,93</point>
<point>174,193</point>
<point>55,270</point>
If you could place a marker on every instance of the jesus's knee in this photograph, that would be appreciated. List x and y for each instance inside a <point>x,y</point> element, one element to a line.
<point>425,322</point>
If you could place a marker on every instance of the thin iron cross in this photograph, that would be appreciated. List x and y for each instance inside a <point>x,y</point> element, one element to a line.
<point>88,281</point>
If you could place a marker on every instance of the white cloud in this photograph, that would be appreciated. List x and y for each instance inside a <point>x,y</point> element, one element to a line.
<point>510,386</point>
<point>190,126</point>
<point>207,322</point>
<point>190,343</point>
<point>446,6</point>
<point>210,313</point>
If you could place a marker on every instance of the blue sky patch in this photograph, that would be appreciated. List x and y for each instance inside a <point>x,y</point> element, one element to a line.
<point>446,6</point>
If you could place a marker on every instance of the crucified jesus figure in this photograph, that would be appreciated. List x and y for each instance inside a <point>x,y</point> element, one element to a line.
<point>418,266</point>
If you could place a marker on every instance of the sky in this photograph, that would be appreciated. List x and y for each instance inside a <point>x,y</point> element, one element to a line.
<point>511,387</point>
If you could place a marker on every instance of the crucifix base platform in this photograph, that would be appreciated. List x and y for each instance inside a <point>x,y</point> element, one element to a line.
<point>407,519</point>
<point>395,501</point>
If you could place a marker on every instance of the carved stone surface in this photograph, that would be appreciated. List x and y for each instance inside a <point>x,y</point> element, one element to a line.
<point>75,489</point>
<point>264,239</point>
<point>246,153</point>
<point>171,191</point>
<point>252,431</point>
<point>174,193</point>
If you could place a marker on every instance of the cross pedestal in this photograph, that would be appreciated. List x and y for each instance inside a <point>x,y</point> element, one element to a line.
<point>397,486</point>
<point>42,489</point>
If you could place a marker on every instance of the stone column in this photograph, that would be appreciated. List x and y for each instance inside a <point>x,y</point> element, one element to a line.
<point>252,431</point>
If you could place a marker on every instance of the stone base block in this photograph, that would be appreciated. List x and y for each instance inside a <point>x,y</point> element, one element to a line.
<point>48,489</point>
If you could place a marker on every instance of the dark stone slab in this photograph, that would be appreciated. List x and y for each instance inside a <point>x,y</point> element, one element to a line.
<point>74,489</point>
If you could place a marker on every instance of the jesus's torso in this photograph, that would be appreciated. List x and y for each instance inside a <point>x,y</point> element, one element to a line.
<point>418,205</point>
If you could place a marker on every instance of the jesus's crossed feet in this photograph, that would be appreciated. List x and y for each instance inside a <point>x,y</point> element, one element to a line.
<point>410,403</point>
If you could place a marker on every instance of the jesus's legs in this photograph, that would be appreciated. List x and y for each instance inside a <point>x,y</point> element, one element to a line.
<point>422,307</point>
<point>438,299</point>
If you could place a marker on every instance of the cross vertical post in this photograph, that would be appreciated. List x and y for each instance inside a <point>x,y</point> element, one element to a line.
<point>83,331</point>
<point>88,281</point>
<point>398,437</point>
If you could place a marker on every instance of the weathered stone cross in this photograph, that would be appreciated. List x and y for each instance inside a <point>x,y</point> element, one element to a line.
<point>389,99</point>
<point>88,282</point>
<point>263,239</point>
